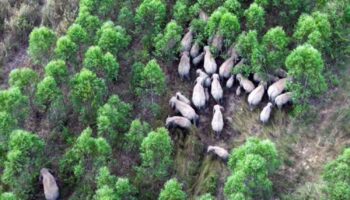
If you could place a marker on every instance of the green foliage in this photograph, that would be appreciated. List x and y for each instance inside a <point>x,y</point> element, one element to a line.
<point>255,16</point>
<point>209,5</point>
<point>156,150</point>
<point>152,80</point>
<point>87,94</point>
<point>167,45</point>
<point>275,43</point>
<point>47,93</point>
<point>105,66</point>
<point>172,191</point>
<point>337,177</point>
<point>136,75</point>
<point>306,66</point>
<point>251,164</point>
<point>224,23</point>
<point>150,18</point>
<point>66,49</point>
<point>198,27</point>
<point>181,12</point>
<point>23,163</point>
<point>58,70</point>
<point>111,188</point>
<point>8,196</point>
<point>126,18</point>
<point>41,44</point>
<point>206,197</point>
<point>234,6</point>
<point>113,39</point>
<point>247,43</point>
<point>7,125</point>
<point>101,8</point>
<point>137,132</point>
<point>314,29</point>
<point>77,34</point>
<point>81,162</point>
<point>14,103</point>
<point>90,24</point>
<point>113,119</point>
<point>25,79</point>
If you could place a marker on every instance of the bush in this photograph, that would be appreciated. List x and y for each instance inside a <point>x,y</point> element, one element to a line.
<point>209,5</point>
<point>138,130</point>
<point>167,45</point>
<point>81,162</point>
<point>58,70</point>
<point>48,93</point>
<point>224,23</point>
<point>251,164</point>
<point>255,16</point>
<point>234,6</point>
<point>87,94</point>
<point>14,103</point>
<point>23,163</point>
<point>66,50</point>
<point>150,18</point>
<point>77,34</point>
<point>113,119</point>
<point>126,18</point>
<point>172,191</point>
<point>25,79</point>
<point>156,150</point>
<point>198,27</point>
<point>41,44</point>
<point>90,24</point>
<point>306,66</point>
<point>101,8</point>
<point>247,43</point>
<point>113,39</point>
<point>181,12</point>
<point>314,29</point>
<point>337,177</point>
<point>105,66</point>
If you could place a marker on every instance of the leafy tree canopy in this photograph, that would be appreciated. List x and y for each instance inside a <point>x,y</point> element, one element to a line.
<point>172,191</point>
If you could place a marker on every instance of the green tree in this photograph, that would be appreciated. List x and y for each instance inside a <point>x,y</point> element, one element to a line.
<point>25,79</point>
<point>314,29</point>
<point>156,150</point>
<point>7,125</point>
<point>14,103</point>
<point>23,163</point>
<point>255,16</point>
<point>234,6</point>
<point>113,39</point>
<point>224,23</point>
<point>87,94</point>
<point>337,177</point>
<point>247,43</point>
<point>305,66</point>
<point>105,66</point>
<point>58,70</point>
<point>41,44</point>
<point>77,34</point>
<point>136,75</point>
<point>137,132</point>
<point>206,196</point>
<point>172,191</point>
<point>90,24</point>
<point>8,196</point>
<point>150,18</point>
<point>275,43</point>
<point>126,18</point>
<point>251,165</point>
<point>66,50</point>
<point>152,86</point>
<point>198,27</point>
<point>82,161</point>
<point>101,8</point>
<point>209,5</point>
<point>47,93</point>
<point>167,45</point>
<point>113,119</point>
<point>181,12</point>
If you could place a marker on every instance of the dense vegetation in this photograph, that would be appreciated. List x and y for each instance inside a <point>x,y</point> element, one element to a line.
<point>89,101</point>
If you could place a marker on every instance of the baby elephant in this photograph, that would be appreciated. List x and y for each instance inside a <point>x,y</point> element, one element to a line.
<point>51,190</point>
<point>219,151</point>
